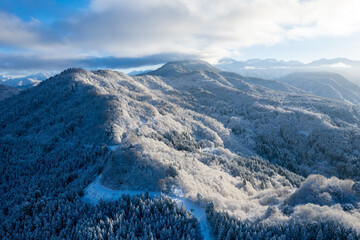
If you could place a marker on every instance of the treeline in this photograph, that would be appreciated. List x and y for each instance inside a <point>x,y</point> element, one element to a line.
<point>140,217</point>
<point>41,190</point>
<point>137,217</point>
<point>225,227</point>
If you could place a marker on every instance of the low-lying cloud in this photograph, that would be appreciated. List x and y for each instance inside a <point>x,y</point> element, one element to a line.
<point>22,64</point>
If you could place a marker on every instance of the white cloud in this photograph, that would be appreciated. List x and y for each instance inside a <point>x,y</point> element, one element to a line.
<point>15,32</point>
<point>211,28</point>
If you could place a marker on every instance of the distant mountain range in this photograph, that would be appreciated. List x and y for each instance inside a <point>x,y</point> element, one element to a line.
<point>24,82</point>
<point>274,69</point>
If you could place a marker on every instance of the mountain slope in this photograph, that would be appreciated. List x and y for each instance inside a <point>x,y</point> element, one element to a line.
<point>271,84</point>
<point>6,91</point>
<point>57,110</point>
<point>273,118</point>
<point>325,84</point>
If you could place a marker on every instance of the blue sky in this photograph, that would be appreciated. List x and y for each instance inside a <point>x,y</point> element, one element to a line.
<point>46,11</point>
<point>307,50</point>
<point>49,35</point>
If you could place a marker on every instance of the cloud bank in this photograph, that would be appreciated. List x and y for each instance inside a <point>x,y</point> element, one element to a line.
<point>18,64</point>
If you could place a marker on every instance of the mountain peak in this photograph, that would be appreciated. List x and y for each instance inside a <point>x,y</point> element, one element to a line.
<point>183,67</point>
<point>72,70</point>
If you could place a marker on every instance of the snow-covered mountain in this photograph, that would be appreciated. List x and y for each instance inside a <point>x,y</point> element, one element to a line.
<point>275,69</point>
<point>325,84</point>
<point>190,130</point>
<point>7,91</point>
<point>25,82</point>
<point>174,69</point>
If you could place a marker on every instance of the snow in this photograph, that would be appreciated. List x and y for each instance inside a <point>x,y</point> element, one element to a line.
<point>95,191</point>
<point>113,147</point>
<point>306,133</point>
<point>198,212</point>
<point>209,150</point>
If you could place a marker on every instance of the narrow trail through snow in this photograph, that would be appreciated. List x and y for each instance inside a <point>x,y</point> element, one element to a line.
<point>95,191</point>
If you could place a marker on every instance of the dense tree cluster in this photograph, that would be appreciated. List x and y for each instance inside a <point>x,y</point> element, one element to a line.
<point>225,227</point>
<point>254,170</point>
<point>140,217</point>
<point>327,151</point>
<point>41,190</point>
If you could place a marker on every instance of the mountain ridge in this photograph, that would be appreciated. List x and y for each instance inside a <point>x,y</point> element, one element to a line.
<point>25,82</point>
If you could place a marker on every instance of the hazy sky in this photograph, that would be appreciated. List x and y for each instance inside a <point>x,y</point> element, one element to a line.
<point>55,34</point>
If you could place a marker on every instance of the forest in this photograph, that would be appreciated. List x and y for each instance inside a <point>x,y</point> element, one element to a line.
<point>41,198</point>
<point>229,228</point>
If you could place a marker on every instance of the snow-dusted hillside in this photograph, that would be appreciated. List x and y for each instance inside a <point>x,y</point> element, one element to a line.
<point>189,129</point>
<point>325,84</point>
<point>271,84</point>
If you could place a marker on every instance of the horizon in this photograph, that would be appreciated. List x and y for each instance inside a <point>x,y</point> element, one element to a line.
<point>128,70</point>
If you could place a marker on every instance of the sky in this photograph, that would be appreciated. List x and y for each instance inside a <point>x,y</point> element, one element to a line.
<point>50,35</point>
